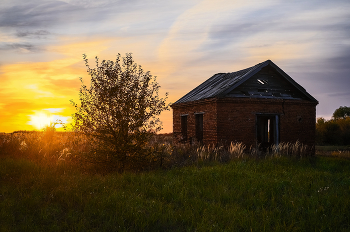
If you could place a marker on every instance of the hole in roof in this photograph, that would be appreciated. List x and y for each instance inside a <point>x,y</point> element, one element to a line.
<point>262,82</point>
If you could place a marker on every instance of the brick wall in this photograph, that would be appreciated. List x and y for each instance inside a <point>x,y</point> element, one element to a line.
<point>208,108</point>
<point>234,119</point>
<point>237,119</point>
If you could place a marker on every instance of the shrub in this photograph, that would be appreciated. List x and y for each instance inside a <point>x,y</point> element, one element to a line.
<point>119,112</point>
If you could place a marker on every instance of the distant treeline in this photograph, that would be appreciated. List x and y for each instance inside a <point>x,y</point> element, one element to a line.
<point>333,131</point>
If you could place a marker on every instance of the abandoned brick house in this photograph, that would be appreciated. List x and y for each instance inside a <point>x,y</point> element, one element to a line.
<point>260,105</point>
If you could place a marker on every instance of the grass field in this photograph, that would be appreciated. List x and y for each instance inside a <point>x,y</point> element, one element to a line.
<point>272,194</point>
<point>333,148</point>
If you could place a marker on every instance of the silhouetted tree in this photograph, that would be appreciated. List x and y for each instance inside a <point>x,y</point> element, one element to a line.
<point>119,111</point>
<point>341,112</point>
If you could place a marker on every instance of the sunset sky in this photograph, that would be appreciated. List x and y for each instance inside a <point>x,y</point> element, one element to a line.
<point>182,42</point>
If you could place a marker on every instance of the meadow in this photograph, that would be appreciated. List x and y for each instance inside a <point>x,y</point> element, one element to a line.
<point>44,185</point>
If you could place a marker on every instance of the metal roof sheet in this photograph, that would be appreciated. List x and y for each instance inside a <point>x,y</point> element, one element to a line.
<point>221,83</point>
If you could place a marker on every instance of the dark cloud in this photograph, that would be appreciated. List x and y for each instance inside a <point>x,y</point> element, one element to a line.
<point>222,35</point>
<point>40,14</point>
<point>336,73</point>
<point>37,33</point>
<point>234,30</point>
<point>105,17</point>
<point>341,62</point>
<point>19,46</point>
<point>281,22</point>
<point>45,14</point>
<point>346,94</point>
<point>326,78</point>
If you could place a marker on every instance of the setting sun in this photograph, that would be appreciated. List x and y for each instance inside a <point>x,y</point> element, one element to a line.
<point>48,117</point>
<point>40,120</point>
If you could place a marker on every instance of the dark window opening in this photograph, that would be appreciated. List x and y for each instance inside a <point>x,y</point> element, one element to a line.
<point>184,127</point>
<point>267,131</point>
<point>199,127</point>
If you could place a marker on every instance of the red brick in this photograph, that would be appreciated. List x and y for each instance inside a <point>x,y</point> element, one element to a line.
<point>234,119</point>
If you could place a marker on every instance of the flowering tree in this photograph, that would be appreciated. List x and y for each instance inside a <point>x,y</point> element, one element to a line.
<point>119,110</point>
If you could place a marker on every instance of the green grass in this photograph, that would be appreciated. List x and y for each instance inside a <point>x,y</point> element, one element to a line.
<point>333,148</point>
<point>275,194</point>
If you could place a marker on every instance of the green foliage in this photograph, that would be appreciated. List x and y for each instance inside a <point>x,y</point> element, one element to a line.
<point>333,132</point>
<point>119,112</point>
<point>342,112</point>
<point>276,194</point>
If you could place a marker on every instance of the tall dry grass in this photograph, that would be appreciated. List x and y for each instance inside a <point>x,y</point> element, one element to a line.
<point>51,147</point>
<point>46,146</point>
<point>296,149</point>
<point>181,154</point>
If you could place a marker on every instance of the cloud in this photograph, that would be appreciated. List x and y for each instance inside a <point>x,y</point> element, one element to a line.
<point>35,34</point>
<point>54,110</point>
<point>62,87</point>
<point>13,115</point>
<point>20,47</point>
<point>36,14</point>
<point>85,16</point>
<point>344,94</point>
<point>340,62</point>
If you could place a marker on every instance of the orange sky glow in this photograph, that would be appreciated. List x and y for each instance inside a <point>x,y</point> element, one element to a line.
<point>183,43</point>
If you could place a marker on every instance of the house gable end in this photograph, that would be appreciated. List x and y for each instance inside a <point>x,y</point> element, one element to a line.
<point>267,83</point>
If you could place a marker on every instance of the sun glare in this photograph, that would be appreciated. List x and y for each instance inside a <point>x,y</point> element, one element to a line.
<point>40,120</point>
<point>48,117</point>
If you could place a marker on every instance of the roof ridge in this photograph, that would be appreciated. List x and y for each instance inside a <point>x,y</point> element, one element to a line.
<point>242,69</point>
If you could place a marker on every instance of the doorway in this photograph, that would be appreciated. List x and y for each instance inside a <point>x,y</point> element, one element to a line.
<point>267,132</point>
<point>199,127</point>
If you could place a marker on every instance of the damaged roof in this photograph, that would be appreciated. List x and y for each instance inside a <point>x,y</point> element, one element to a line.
<point>221,84</point>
